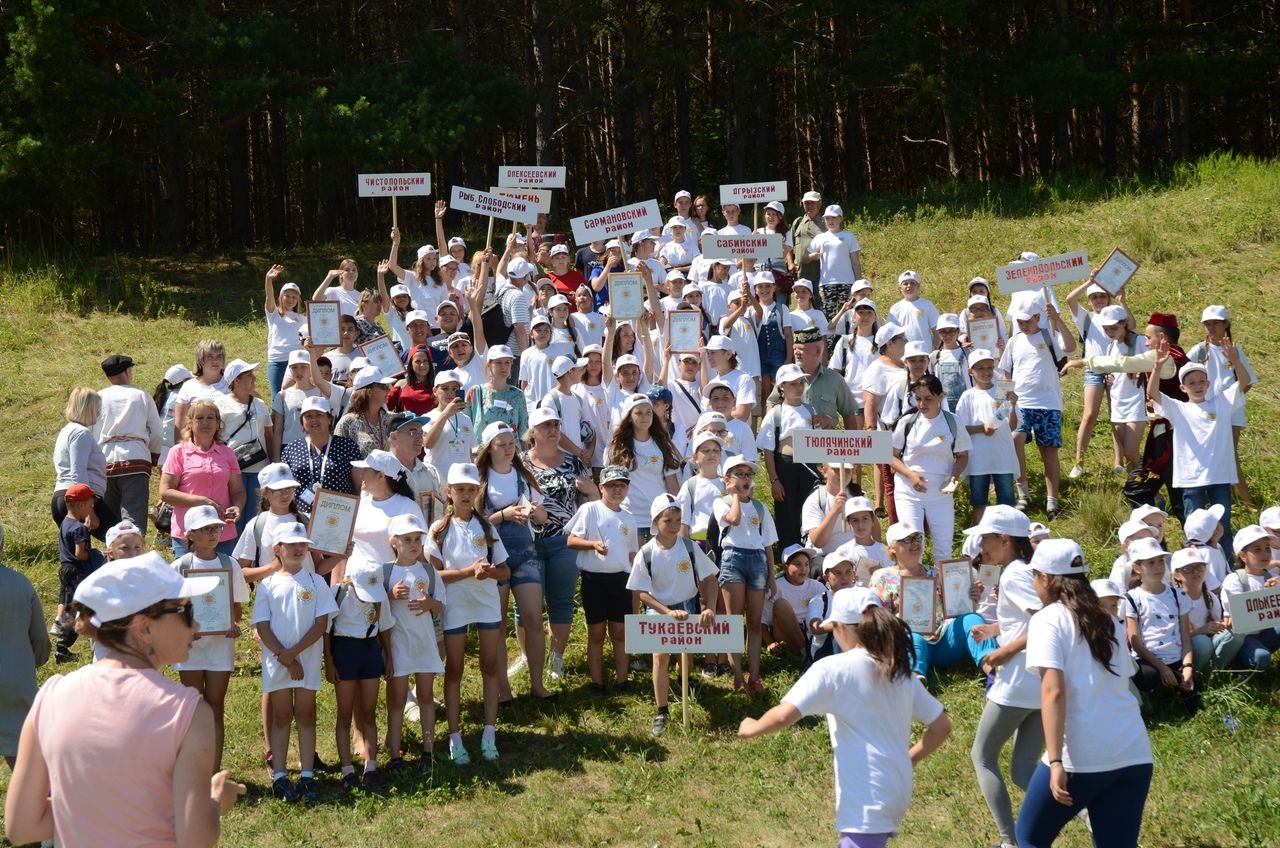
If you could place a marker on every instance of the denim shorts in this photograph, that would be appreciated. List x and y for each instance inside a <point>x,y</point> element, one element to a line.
<point>479,625</point>
<point>1093,379</point>
<point>746,566</point>
<point>526,568</point>
<point>693,606</point>
<point>1045,425</point>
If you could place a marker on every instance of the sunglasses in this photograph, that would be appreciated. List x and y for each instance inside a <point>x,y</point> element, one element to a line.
<point>187,610</point>
<point>913,539</point>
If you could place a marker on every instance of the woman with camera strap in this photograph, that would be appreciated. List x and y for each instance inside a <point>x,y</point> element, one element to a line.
<point>246,429</point>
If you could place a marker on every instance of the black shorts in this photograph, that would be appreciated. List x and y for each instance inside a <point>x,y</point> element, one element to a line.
<point>605,597</point>
<point>357,659</point>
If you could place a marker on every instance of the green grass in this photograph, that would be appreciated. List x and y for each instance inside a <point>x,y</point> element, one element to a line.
<point>586,772</point>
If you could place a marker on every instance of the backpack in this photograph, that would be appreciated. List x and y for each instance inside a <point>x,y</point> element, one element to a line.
<point>827,648</point>
<point>909,420</point>
<point>259,524</point>
<point>646,552</point>
<point>714,548</point>
<point>183,563</point>
<point>1058,361</point>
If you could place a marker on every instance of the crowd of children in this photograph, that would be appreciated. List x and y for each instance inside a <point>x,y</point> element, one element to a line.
<point>517,353</point>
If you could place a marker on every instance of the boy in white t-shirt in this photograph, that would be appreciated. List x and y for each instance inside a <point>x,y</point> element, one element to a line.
<point>448,434</point>
<point>838,572</point>
<point>990,421</point>
<point>916,315</point>
<point>605,537</point>
<point>672,577</point>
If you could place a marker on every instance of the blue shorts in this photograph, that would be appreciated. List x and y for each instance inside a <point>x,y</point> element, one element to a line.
<point>746,566</point>
<point>357,658</point>
<point>529,570</point>
<point>1043,425</point>
<point>1092,379</point>
<point>479,625</point>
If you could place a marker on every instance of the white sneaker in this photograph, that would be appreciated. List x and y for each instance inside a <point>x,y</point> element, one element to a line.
<point>638,664</point>
<point>556,669</point>
<point>518,666</point>
<point>1076,472</point>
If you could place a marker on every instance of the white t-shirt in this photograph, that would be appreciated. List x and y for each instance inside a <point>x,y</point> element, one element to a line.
<point>992,454</point>
<point>814,512</point>
<point>648,480</point>
<point>413,639</point>
<point>1030,362</point>
<point>743,334</point>
<point>455,442</point>
<point>288,403</point>
<point>739,439</point>
<point>675,577</point>
<point>1096,340</point>
<point>879,378</point>
<point>290,604</point>
<point>348,300</point>
<point>214,653</point>
<point>754,531</point>
<point>785,420</point>
<point>744,387</point>
<point>715,300</point>
<point>798,597</point>
<point>1128,392</point>
<point>193,390</point>
<point>1014,686</point>
<point>373,517</point>
<point>259,552</point>
<point>571,409</point>
<point>870,724</point>
<point>1221,374</point>
<point>835,256</point>
<point>852,355</point>
<point>596,409</point>
<point>1203,454</point>
<point>929,448</point>
<point>686,402</point>
<point>1031,301</point>
<point>506,489</point>
<point>696,496</point>
<point>1104,729</point>
<point>678,254</point>
<point>1159,616</point>
<point>917,318</point>
<point>535,373</point>
<point>589,326</point>
<point>803,319</point>
<point>355,617</point>
<point>596,522</point>
<point>243,424</point>
<point>282,334</point>
<point>471,601</point>
<point>855,551</point>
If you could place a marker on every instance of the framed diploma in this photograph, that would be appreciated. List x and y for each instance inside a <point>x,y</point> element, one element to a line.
<point>626,295</point>
<point>957,580</point>
<point>333,520</point>
<point>684,330</point>
<point>322,322</point>
<point>984,334</point>
<point>213,610</point>
<point>382,355</point>
<point>989,576</point>
<point>916,602</point>
<point>1116,270</point>
<point>427,503</point>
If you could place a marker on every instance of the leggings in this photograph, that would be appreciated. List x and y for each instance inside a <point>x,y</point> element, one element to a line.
<point>997,726</point>
<point>1114,800</point>
<point>954,644</point>
<point>798,481</point>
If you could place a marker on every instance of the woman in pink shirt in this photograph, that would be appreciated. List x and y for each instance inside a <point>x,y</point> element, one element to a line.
<point>115,753</point>
<point>202,471</point>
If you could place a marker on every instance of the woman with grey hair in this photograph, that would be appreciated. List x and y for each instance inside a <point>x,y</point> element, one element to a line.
<point>24,647</point>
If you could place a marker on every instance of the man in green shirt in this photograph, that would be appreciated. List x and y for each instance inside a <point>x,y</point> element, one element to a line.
<point>803,230</point>
<point>825,390</point>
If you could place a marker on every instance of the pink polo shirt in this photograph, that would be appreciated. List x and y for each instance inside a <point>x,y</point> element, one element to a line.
<point>205,473</point>
<point>110,737</point>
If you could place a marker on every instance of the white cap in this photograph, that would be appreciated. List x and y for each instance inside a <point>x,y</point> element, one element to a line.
<point>1094,288</point>
<point>1189,556</point>
<point>801,283</point>
<point>811,197</point>
<point>720,342</point>
<point>558,249</point>
<point>235,368</point>
<point>1105,588</point>
<point>449,376</point>
<point>633,401</point>
<point>1270,518</point>
<point>315,404</point>
<point>849,605</point>
<point>643,235</point>
<point>835,558</point>
<point>833,211</point>
<point>734,294</point>
<point>860,284</point>
<point>293,287</point>
<point>675,221</point>
<point>299,357</point>
<point>1001,519</point>
<point>971,547</point>
<point>201,516</point>
<point>403,525</point>
<point>676,274</point>
<point>979,354</point>
<point>359,363</point>
<point>124,528</point>
<point>908,275</point>
<point>544,281</point>
<point>445,304</point>
<point>1112,315</point>
<point>498,352</point>
<point>276,476</point>
<point>557,300</point>
<point>383,462</point>
<point>702,438</point>
<point>976,281</point>
<point>1144,511</point>
<point>1214,313</point>
<point>915,349</point>
<point>593,348</point>
<point>789,373</point>
<point>542,415</point>
<point>733,460</point>
<point>123,587</point>
<point>365,579</point>
<point>456,241</point>
<point>887,333</point>
<point>1058,556</point>
<point>791,550</point>
<point>1130,529</point>
<point>717,384</point>
<point>425,249</point>
<point>612,243</point>
<point>763,278</point>
<point>711,417</point>
<point>865,303</point>
<point>519,268</point>
<point>416,315</point>
<point>661,504</point>
<point>1190,366</point>
<point>948,321</point>
<point>370,376</point>
<point>1199,524</point>
<point>493,431</point>
<point>1028,256</point>
<point>682,193</point>
<point>562,365</point>
<point>975,300</point>
<point>1147,548</point>
<point>898,532</point>
<point>1039,531</point>
<point>447,260</point>
<point>177,373</point>
<point>858,504</point>
<point>289,534</point>
<point>625,359</point>
<point>463,472</point>
<point>776,207</point>
<point>1020,313</point>
<point>539,317</point>
<point>398,289</point>
<point>1247,535</point>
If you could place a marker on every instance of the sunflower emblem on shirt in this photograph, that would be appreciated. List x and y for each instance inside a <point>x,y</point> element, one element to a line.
<point>653,460</point>
<point>626,532</point>
<point>421,586</point>
<point>685,565</point>
<point>478,542</point>
<point>372,615</point>
<point>755,521</point>
<point>304,594</point>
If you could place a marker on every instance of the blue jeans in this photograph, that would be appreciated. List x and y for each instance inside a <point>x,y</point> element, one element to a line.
<point>1114,800</point>
<point>251,492</point>
<point>1256,649</point>
<point>952,647</point>
<point>979,484</point>
<point>275,375</point>
<point>559,577</point>
<point>1199,497</point>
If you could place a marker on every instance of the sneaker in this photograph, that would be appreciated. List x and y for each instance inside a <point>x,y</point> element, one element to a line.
<point>55,628</point>
<point>1022,503</point>
<point>397,764</point>
<point>626,687</point>
<point>489,749</point>
<point>724,670</point>
<point>63,657</point>
<point>1077,471</point>
<point>412,712</point>
<point>458,753</point>
<point>372,781</point>
<point>1119,471</point>
<point>308,791</point>
<point>283,789</point>
<point>556,669</point>
<point>518,666</point>
<point>351,781</point>
<point>639,664</point>
<point>709,670</point>
<point>1052,512</point>
<point>659,725</point>
<point>595,689</point>
<point>426,761</point>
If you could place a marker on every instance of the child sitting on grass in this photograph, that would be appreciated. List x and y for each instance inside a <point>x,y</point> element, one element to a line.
<point>838,572</point>
<point>782,619</point>
<point>1158,619</point>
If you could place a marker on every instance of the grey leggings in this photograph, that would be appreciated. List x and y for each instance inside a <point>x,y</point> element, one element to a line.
<point>997,726</point>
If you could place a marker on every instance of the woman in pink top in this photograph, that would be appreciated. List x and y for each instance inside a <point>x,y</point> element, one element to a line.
<point>115,753</point>
<point>202,471</point>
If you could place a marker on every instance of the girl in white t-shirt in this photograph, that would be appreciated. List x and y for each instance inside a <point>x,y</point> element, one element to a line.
<point>698,493</point>
<point>822,522</point>
<point>642,445</point>
<point>448,434</point>
<point>870,699</point>
<point>1208,630</point>
<point>930,452</point>
<point>722,365</point>
<point>345,292</point>
<point>990,422</point>
<point>1158,620</point>
<point>878,378</point>
<point>1127,392</point>
<point>783,614</point>
<point>1253,556</point>
<point>593,391</point>
<point>741,327</point>
<point>1096,342</point>
<point>417,597</point>
<point>283,324</point>
<point>737,433</point>
<point>854,352</point>
<point>471,560</point>
<point>804,314</point>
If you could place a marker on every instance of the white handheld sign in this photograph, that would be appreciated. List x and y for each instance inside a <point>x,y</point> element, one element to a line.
<point>753,192</point>
<point>493,205</point>
<point>856,447</point>
<point>1254,611</point>
<point>662,634</point>
<point>756,247</point>
<point>611,222</point>
<point>393,185</point>
<point>531,176</point>
<point>1048,271</point>
<point>540,198</point>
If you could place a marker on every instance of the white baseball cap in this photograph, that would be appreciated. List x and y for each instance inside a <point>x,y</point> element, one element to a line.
<point>365,579</point>
<point>519,268</point>
<point>493,431</point>
<point>403,525</point>
<point>979,281</point>
<point>1270,518</point>
<point>633,401</point>
<point>978,299</point>
<point>235,368</point>
<point>456,241</point>
<point>833,211</point>
<point>1216,312</point>
<point>299,357</point>
<point>557,300</point>
<point>542,415</point>
<point>1145,511</point>
<point>860,284</point>
<point>383,462</point>
<point>776,207</point>
<point>276,476</point>
<point>1105,588</point>
<point>498,352</point>
<point>948,321</point>
<point>811,197</point>
<point>857,504</point>
<point>293,287</point>
<point>979,354</point>
<point>801,283</point>
<point>1021,313</point>
<point>447,260</point>
<point>849,605</point>
<point>463,472</point>
<point>908,275</point>
<point>202,516</point>
<point>1189,556</point>
<point>683,194</point>
<point>1130,529</point>
<point>733,460</point>
<point>449,376</point>
<point>789,373</point>
<point>398,289</point>
<point>1247,535</point>
<point>1188,368</point>
<point>1039,531</point>
<point>717,384</point>
<point>123,587</point>
<point>539,317</point>
<point>426,249</point>
<point>702,438</point>
<point>177,373</point>
<point>720,342</point>
<point>865,303</point>
<point>124,528</point>
<point>289,534</point>
<point>416,315</point>
<point>562,365</point>
<point>315,404</point>
<point>915,349</point>
<point>1094,288</point>
<point>625,359</point>
<point>791,550</point>
<point>1112,315</point>
<point>559,249</point>
<point>661,504</point>
<point>1147,548</point>
<point>370,376</point>
<point>1002,519</point>
<point>887,333</point>
<point>1058,557</point>
<point>898,532</point>
<point>445,304</point>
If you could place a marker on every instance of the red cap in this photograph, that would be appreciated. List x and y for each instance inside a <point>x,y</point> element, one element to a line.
<point>1164,319</point>
<point>78,492</point>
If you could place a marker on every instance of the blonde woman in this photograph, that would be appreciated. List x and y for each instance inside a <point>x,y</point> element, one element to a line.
<point>202,471</point>
<point>211,358</point>
<point>78,459</point>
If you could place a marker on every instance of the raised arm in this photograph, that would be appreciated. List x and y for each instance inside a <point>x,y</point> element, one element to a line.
<point>269,298</point>
<point>383,267</point>
<point>441,208</point>
<point>1243,379</point>
<point>324,285</point>
<point>393,257</point>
